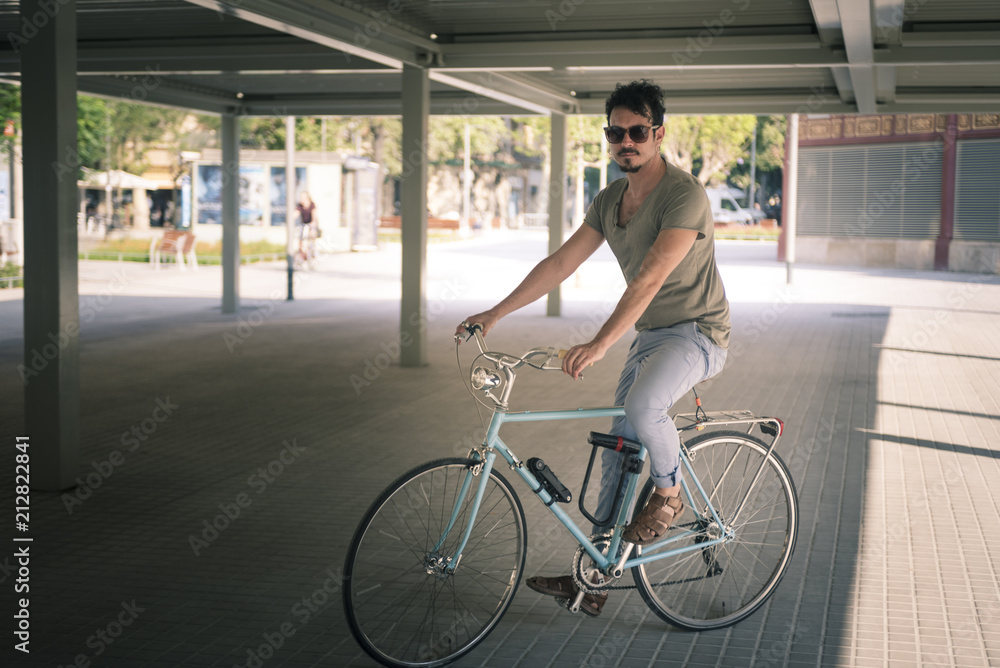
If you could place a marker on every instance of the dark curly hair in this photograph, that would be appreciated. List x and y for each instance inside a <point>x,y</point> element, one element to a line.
<point>641,97</point>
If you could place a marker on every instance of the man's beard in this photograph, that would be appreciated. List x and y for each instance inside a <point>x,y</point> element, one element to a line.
<point>626,168</point>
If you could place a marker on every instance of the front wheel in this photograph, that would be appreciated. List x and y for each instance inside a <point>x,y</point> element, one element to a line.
<point>717,586</point>
<point>407,604</point>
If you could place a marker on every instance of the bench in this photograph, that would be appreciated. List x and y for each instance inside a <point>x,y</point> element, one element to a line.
<point>178,243</point>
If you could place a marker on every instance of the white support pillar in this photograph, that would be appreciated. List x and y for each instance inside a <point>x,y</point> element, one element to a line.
<point>230,213</point>
<point>557,200</point>
<point>290,199</point>
<point>604,163</point>
<point>51,369</point>
<point>789,207</point>
<point>413,313</point>
<point>463,225</point>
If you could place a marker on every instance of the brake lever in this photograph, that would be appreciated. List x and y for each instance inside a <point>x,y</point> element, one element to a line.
<point>471,329</point>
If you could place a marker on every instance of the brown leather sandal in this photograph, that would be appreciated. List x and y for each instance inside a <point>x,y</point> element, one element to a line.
<point>652,523</point>
<point>564,588</point>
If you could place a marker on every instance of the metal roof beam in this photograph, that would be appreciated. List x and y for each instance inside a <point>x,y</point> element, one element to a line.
<point>827,20</point>
<point>912,100</point>
<point>505,88</point>
<point>485,88</point>
<point>326,24</point>
<point>670,53</point>
<point>938,55</point>
<point>200,56</point>
<point>856,24</point>
<point>208,55</point>
<point>965,39</point>
<point>889,15</point>
<point>161,93</point>
<point>826,16</point>
<point>377,36</point>
<point>812,101</point>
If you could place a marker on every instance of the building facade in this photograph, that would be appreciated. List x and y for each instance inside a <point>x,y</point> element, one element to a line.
<point>911,191</point>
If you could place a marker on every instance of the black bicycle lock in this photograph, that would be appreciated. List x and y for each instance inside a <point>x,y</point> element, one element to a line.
<point>630,463</point>
<point>548,481</point>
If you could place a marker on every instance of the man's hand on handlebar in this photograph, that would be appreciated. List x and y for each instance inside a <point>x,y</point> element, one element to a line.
<point>580,357</point>
<point>485,319</point>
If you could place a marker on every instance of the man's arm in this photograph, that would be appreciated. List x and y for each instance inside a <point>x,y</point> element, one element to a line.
<point>670,247</point>
<point>546,275</point>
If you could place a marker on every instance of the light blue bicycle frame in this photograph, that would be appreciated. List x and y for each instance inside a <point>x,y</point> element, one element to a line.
<point>493,445</point>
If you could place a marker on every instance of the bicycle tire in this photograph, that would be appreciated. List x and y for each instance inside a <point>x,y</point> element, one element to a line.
<point>719,586</point>
<point>402,609</point>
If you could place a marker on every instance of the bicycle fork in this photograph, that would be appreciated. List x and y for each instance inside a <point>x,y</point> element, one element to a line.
<point>448,565</point>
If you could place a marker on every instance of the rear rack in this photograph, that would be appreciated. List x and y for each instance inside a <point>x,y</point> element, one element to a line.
<point>702,419</point>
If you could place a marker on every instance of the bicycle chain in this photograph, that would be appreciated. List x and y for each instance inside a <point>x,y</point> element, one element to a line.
<point>598,540</point>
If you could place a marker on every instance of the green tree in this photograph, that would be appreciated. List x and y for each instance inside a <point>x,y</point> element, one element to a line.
<point>127,128</point>
<point>91,131</point>
<point>680,140</point>
<point>489,137</point>
<point>770,157</point>
<point>531,135</point>
<point>721,141</point>
<point>10,108</point>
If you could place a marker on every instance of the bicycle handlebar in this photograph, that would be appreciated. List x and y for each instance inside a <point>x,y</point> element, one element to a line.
<point>487,381</point>
<point>475,331</point>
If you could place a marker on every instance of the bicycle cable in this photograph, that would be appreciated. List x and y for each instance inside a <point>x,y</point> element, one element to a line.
<point>465,382</point>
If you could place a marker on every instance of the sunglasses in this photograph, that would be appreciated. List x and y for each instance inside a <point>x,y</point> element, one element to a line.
<point>637,133</point>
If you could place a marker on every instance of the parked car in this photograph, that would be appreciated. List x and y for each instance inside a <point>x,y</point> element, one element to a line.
<point>725,209</point>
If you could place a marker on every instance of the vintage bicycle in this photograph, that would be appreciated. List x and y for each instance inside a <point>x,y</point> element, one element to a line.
<point>436,560</point>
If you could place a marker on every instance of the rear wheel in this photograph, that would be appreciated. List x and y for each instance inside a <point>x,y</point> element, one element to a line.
<point>404,606</point>
<point>716,586</point>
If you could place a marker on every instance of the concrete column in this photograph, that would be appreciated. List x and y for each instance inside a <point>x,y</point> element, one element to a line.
<point>413,313</point>
<point>140,210</point>
<point>789,207</point>
<point>51,298</point>
<point>230,213</point>
<point>557,200</point>
<point>290,199</point>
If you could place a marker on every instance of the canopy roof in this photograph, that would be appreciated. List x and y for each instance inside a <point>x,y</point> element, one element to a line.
<point>119,179</point>
<point>340,57</point>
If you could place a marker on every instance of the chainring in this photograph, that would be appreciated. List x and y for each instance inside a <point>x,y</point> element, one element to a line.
<point>602,541</point>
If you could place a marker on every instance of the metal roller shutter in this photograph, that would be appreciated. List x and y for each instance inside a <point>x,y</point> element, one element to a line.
<point>977,190</point>
<point>889,190</point>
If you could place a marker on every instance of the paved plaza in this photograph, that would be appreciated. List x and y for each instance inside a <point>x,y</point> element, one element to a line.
<point>291,416</point>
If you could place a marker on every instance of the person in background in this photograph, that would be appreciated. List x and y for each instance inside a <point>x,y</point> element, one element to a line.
<point>307,234</point>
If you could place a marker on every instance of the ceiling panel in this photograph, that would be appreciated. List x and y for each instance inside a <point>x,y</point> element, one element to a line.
<point>565,55</point>
<point>463,19</point>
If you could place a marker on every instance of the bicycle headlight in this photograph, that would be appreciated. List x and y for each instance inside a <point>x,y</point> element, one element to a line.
<point>484,379</point>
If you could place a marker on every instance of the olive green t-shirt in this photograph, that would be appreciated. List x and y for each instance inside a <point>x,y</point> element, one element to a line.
<point>693,292</point>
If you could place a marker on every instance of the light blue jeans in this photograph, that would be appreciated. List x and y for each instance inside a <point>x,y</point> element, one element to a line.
<point>663,365</point>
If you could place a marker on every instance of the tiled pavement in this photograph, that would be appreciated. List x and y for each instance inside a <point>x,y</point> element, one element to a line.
<point>887,380</point>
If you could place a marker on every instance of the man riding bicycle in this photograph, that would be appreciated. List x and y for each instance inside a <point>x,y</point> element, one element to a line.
<point>658,222</point>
